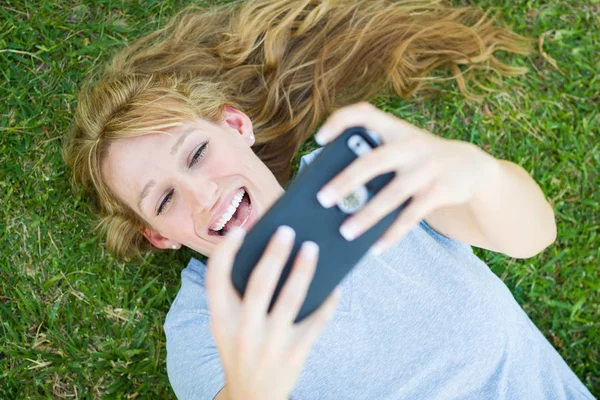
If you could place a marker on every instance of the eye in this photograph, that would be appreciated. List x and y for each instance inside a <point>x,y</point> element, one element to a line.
<point>199,154</point>
<point>165,201</point>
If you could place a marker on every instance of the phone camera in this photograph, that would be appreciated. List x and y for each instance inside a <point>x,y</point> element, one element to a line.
<point>358,145</point>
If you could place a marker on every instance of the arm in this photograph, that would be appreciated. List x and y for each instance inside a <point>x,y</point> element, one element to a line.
<point>459,189</point>
<point>222,395</point>
<point>510,215</point>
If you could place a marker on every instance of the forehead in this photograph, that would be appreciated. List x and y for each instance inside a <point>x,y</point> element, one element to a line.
<point>138,155</point>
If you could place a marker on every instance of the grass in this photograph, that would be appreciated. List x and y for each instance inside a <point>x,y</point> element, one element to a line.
<point>78,323</point>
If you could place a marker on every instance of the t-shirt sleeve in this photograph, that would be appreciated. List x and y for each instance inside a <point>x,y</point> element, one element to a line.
<point>445,241</point>
<point>306,159</point>
<point>193,362</point>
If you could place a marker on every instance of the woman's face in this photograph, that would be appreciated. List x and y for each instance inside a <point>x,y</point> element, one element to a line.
<point>187,183</point>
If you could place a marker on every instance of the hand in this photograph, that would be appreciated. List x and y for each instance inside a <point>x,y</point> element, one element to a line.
<point>263,354</point>
<point>436,172</point>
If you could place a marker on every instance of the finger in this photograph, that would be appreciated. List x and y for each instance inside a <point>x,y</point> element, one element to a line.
<point>264,278</point>
<point>293,294</point>
<point>311,328</point>
<point>379,161</point>
<point>366,115</point>
<point>422,204</point>
<point>220,290</point>
<point>388,199</point>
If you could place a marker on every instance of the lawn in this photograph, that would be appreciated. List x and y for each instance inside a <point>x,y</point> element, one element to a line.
<point>77,323</point>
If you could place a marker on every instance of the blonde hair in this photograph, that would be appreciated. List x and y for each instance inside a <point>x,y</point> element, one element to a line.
<point>287,64</point>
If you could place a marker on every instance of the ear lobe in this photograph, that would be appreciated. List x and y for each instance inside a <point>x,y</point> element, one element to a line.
<point>156,238</point>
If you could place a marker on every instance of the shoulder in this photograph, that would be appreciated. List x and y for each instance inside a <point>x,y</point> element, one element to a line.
<point>191,350</point>
<point>191,299</point>
<point>308,158</point>
<point>424,244</point>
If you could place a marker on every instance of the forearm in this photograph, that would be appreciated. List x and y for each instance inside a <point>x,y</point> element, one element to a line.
<point>513,214</point>
<point>223,394</point>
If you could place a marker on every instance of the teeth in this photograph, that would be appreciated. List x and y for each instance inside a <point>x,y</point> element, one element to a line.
<point>235,202</point>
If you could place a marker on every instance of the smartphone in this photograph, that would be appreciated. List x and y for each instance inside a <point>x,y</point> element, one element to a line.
<point>298,207</point>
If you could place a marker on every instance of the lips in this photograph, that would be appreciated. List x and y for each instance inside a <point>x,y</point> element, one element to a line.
<point>223,206</point>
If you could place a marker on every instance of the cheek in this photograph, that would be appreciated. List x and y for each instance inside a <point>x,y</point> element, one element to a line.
<point>180,227</point>
<point>177,224</point>
<point>232,164</point>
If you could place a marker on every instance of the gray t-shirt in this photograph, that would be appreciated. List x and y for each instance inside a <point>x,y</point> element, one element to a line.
<point>427,319</point>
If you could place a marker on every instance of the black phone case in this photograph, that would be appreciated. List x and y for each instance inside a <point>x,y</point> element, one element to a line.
<point>298,207</point>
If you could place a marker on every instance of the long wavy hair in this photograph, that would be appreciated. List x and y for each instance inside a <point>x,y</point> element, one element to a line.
<point>287,64</point>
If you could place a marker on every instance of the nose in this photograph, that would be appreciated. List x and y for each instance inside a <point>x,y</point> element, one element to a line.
<point>201,195</point>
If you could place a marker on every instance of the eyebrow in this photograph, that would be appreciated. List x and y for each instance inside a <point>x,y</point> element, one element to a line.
<point>181,139</point>
<point>145,192</point>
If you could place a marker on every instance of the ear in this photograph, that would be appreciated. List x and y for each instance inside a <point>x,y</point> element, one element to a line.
<point>157,239</point>
<point>238,121</point>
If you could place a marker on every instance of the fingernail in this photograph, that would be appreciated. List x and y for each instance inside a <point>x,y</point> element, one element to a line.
<point>377,248</point>
<point>320,137</point>
<point>237,232</point>
<point>326,197</point>
<point>285,233</point>
<point>310,249</point>
<point>349,230</point>
<point>337,291</point>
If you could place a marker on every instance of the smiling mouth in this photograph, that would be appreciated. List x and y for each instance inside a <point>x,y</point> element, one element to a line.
<point>239,217</point>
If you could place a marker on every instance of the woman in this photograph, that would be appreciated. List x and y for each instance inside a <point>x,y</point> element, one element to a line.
<point>190,133</point>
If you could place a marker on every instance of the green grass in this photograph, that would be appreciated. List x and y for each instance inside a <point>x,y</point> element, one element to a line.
<point>77,323</point>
